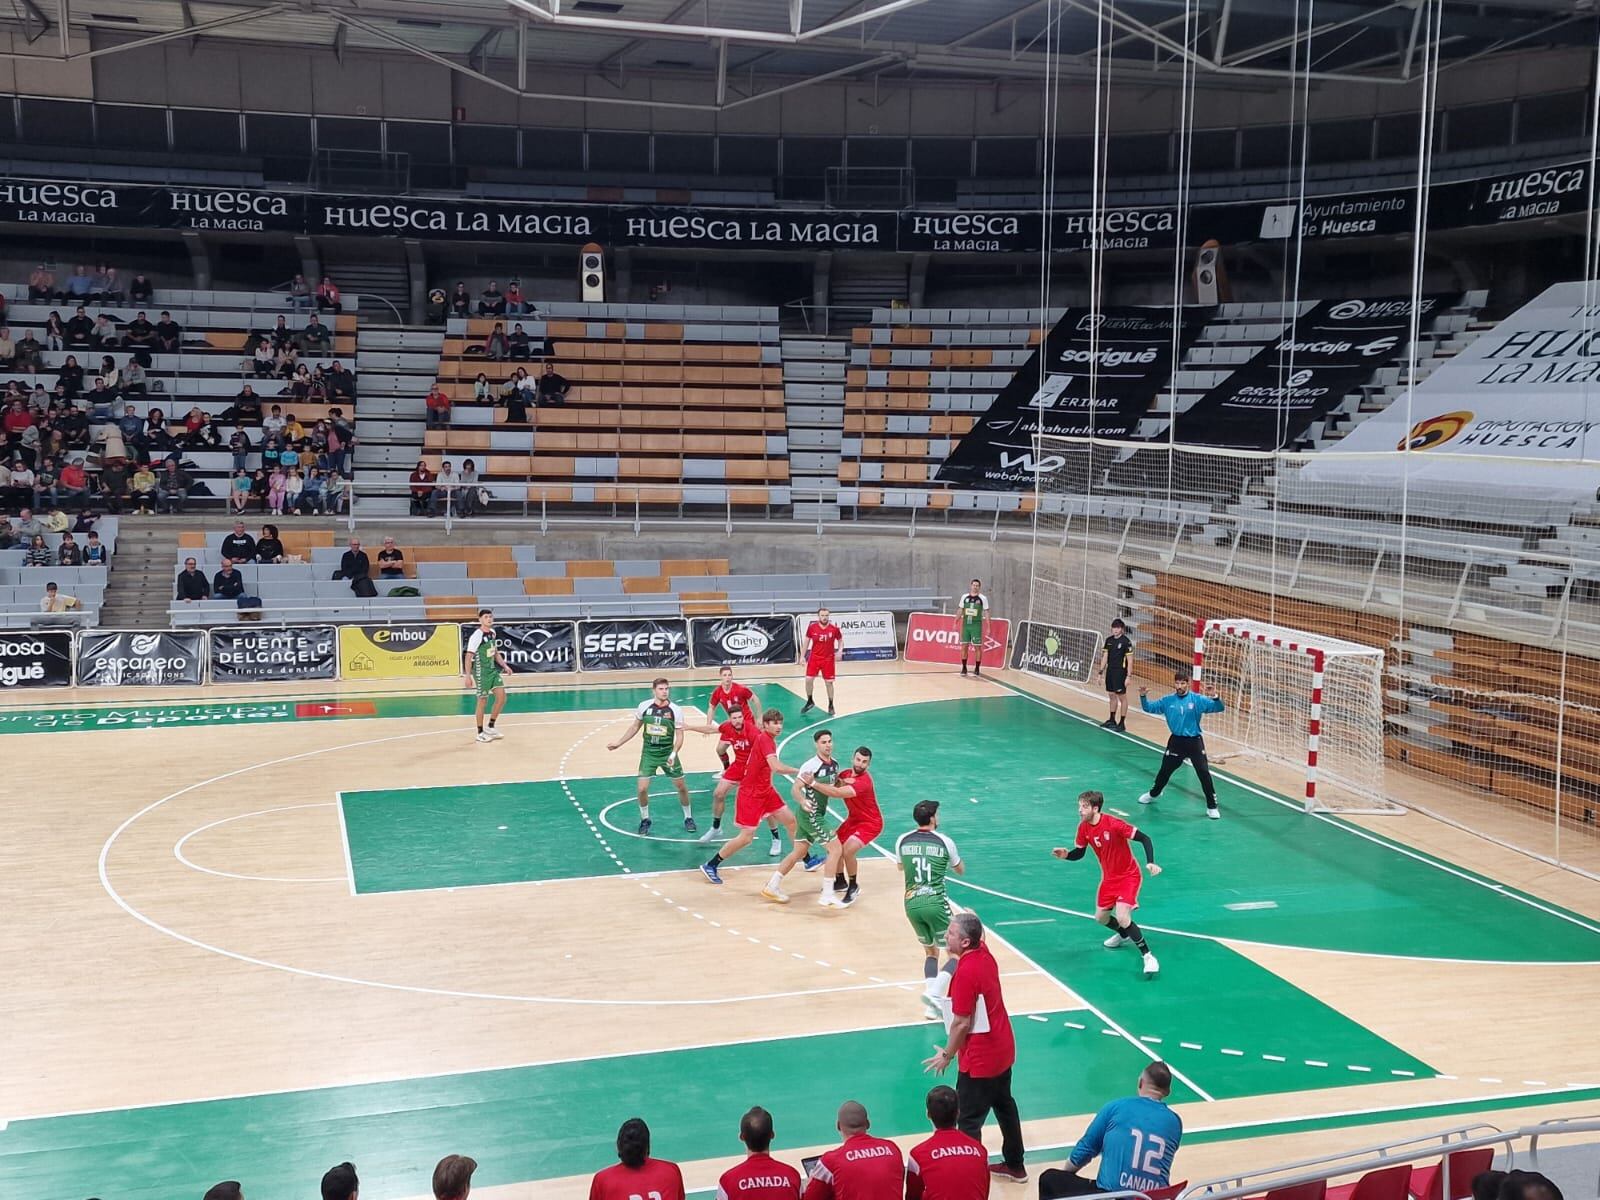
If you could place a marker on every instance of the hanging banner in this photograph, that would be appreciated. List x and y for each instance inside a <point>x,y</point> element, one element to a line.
<point>535,647</point>
<point>743,641</point>
<point>1056,651</point>
<point>867,636</point>
<point>640,644</point>
<point>35,660</point>
<point>1323,356</point>
<point>127,658</point>
<point>936,638</point>
<point>263,655</point>
<point>1101,371</point>
<point>399,651</point>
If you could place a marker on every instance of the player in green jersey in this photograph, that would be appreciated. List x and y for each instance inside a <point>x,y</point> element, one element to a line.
<point>663,724</point>
<point>973,609</point>
<point>481,668</point>
<point>810,809</point>
<point>927,857</point>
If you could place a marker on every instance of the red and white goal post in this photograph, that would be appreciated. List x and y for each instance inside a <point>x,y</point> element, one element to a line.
<point>1301,699</point>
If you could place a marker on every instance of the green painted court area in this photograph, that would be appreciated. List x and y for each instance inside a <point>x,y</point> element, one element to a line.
<point>1007,770</point>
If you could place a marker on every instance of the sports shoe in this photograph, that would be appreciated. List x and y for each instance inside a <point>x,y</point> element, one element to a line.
<point>963,671</point>
<point>977,672</point>
<point>494,734</point>
<point>484,737</point>
<point>839,884</point>
<point>689,826</point>
<point>807,706</point>
<point>1014,1174</point>
<point>1147,798</point>
<point>1151,966</point>
<point>710,834</point>
<point>644,828</point>
<point>813,861</point>
<point>710,873</point>
<point>851,895</point>
<point>777,897</point>
<point>1122,725</point>
<point>1112,942</point>
<point>931,1009</point>
<point>828,899</point>
<point>1213,812</point>
<point>1108,723</point>
<point>775,850</point>
<point>831,713</point>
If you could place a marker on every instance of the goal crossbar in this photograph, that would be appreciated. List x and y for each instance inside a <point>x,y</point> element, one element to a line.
<point>1316,649</point>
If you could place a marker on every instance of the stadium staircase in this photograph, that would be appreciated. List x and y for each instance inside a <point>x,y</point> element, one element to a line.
<point>856,287</point>
<point>396,365</point>
<point>813,399</point>
<point>383,283</point>
<point>140,584</point>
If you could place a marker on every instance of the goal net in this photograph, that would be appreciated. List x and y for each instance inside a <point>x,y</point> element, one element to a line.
<point>1301,699</point>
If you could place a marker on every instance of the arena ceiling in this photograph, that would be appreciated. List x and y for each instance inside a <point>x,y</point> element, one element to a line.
<point>741,49</point>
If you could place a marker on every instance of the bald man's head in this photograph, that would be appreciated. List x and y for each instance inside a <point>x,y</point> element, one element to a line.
<point>853,1118</point>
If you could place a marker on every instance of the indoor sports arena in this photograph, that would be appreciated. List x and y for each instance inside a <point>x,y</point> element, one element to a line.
<point>800,599</point>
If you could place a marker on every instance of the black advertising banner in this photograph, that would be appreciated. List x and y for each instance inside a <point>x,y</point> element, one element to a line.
<point>1269,402</point>
<point>1057,651</point>
<point>121,658</point>
<point>263,655</point>
<point>639,644</point>
<point>752,229</point>
<point>30,660</point>
<point>534,647</point>
<point>1101,372</point>
<point>743,641</point>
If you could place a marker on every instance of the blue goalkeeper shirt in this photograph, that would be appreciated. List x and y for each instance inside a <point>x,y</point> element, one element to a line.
<point>1182,712</point>
<point>1135,1139</point>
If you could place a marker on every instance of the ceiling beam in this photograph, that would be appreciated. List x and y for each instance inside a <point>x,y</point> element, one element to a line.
<point>34,23</point>
<point>1305,35</point>
<point>155,39</point>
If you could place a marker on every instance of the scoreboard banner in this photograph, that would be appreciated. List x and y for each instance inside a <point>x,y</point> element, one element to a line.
<point>35,660</point>
<point>399,651</point>
<point>272,655</point>
<point>1056,651</point>
<point>743,641</point>
<point>640,644</point>
<point>866,636</point>
<point>128,657</point>
<point>936,638</point>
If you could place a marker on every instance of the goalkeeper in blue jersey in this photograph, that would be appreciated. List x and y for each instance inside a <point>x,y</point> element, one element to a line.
<point>1134,1138</point>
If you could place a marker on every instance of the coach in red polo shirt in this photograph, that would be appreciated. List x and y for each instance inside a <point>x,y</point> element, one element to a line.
<point>863,1168</point>
<point>981,1038</point>
<point>949,1165</point>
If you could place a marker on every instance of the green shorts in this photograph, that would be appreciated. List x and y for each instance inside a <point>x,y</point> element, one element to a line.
<point>972,633</point>
<point>809,828</point>
<point>487,681</point>
<point>929,917</point>
<point>659,762</point>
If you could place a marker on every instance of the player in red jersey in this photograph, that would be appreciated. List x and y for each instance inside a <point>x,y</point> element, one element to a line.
<point>949,1165</point>
<point>863,1168</point>
<point>636,1174</point>
<point>756,799</point>
<point>823,640</point>
<point>759,1176</point>
<point>734,699</point>
<point>1120,876</point>
<point>859,828</point>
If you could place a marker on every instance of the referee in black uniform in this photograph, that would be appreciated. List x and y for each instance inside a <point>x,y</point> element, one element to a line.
<point>1114,656</point>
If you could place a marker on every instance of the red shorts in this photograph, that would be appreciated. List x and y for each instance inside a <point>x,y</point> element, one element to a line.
<point>819,666</point>
<point>751,807</point>
<point>735,773</point>
<point>1124,889</point>
<point>863,831</point>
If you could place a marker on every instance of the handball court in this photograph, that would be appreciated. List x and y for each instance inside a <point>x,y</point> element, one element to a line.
<point>254,933</point>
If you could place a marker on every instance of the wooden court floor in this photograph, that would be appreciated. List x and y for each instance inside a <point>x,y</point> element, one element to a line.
<point>259,932</point>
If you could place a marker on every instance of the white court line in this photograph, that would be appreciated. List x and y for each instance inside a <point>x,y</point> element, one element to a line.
<point>177,848</point>
<point>344,842</point>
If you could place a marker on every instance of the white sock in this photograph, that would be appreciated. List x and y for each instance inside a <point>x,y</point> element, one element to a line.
<point>644,812</point>
<point>775,882</point>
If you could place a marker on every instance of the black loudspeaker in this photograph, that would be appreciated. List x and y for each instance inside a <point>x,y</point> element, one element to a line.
<point>1210,276</point>
<point>592,272</point>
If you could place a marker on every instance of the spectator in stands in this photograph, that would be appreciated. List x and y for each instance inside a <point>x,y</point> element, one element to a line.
<point>142,487</point>
<point>422,483</point>
<point>228,584</point>
<point>258,488</point>
<point>265,360</point>
<point>7,494</point>
<point>73,483</point>
<point>287,362</point>
<point>134,382</point>
<point>299,292</point>
<point>57,601</point>
<point>273,421</point>
<point>239,447</point>
<point>300,383</point>
<point>109,374</point>
<point>452,1177</point>
<point>79,330</point>
<point>391,561</point>
<point>340,1183</point>
<point>438,406</point>
<point>949,1165</point>
<point>104,333</point>
<point>38,553</point>
<point>29,353</point>
<point>277,485</point>
<point>497,346</point>
<point>521,346</point>
<point>288,456</point>
<point>169,334</point>
<point>328,299</point>
<point>28,444</point>
<point>314,495</point>
<point>516,303</point>
<point>341,440</point>
<point>354,563</point>
<point>246,406</point>
<point>203,436</point>
<point>1135,1139</point>
<point>173,487</point>
<point>68,552</point>
<point>28,526</point>
<point>8,350</point>
<point>192,584</point>
<point>467,498</point>
<point>107,286</point>
<point>461,300</point>
<point>315,337</point>
<point>341,381</point>
<point>553,388</point>
<point>156,436</point>
<point>55,331</point>
<point>44,484</point>
<point>635,1173</point>
<point>22,488</point>
<point>41,284</point>
<point>69,377</point>
<point>112,486</point>
<point>239,491</point>
<point>130,424</point>
<point>492,301</point>
<point>17,418</point>
<point>80,286</point>
<point>444,487</point>
<point>983,1080</point>
<point>518,395</point>
<point>237,545</point>
<point>862,1166</point>
<point>269,547</point>
<point>95,552</point>
<point>8,535</point>
<point>482,389</point>
<point>141,290</point>
<point>294,488</point>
